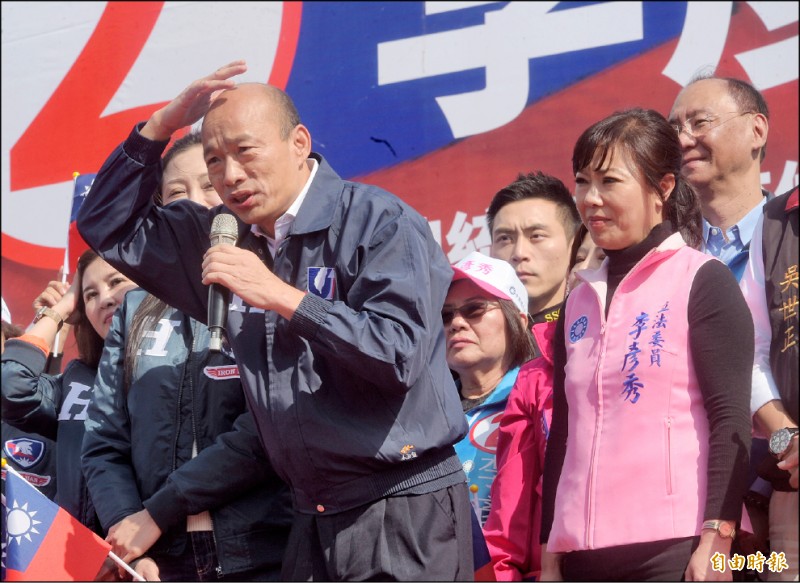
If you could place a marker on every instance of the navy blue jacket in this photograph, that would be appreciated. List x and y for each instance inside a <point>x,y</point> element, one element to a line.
<point>352,396</point>
<point>137,450</point>
<point>55,407</point>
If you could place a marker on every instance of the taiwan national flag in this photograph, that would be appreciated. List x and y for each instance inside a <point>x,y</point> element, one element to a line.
<point>482,560</point>
<point>76,245</point>
<point>42,541</point>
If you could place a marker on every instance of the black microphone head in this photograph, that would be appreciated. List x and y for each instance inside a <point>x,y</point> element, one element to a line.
<point>224,230</point>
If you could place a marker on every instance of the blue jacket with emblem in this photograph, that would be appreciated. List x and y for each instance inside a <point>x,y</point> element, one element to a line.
<point>352,396</point>
<point>137,450</point>
<point>53,406</point>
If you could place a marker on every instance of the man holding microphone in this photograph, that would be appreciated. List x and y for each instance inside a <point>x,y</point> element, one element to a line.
<point>335,320</point>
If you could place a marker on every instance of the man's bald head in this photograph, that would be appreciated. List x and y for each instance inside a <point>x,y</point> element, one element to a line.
<point>276,103</point>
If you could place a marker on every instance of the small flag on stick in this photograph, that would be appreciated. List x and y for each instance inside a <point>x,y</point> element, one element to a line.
<point>81,183</point>
<point>75,244</point>
<point>481,559</point>
<point>42,541</point>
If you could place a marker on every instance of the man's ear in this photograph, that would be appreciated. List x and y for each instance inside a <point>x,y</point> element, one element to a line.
<point>760,131</point>
<point>301,141</point>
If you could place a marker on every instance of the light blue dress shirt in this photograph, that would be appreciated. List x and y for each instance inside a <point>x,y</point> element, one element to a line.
<point>732,247</point>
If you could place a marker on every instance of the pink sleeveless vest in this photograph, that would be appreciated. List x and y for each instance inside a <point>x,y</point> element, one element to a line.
<point>636,460</point>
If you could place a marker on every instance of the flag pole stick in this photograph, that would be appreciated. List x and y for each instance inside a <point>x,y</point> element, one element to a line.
<point>124,565</point>
<point>64,274</point>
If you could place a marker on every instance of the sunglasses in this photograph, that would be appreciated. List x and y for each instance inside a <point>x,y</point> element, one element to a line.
<point>472,310</point>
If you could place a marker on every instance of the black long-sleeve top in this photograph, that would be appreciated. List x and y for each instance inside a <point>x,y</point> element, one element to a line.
<point>722,345</point>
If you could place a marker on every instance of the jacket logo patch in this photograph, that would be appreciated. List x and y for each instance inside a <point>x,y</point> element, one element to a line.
<point>25,451</point>
<point>76,404</point>
<point>230,371</point>
<point>578,329</point>
<point>484,432</point>
<point>34,479</point>
<point>322,282</point>
<point>407,453</point>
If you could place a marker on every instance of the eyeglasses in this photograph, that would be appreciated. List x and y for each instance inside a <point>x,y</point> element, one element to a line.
<point>470,311</point>
<point>700,124</point>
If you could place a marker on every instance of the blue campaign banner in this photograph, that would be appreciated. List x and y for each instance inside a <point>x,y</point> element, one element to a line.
<point>362,124</point>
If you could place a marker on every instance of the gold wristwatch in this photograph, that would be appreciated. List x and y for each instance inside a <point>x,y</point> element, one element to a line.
<point>723,527</point>
<point>45,312</point>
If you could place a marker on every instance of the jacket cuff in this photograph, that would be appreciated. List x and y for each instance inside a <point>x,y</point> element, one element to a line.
<point>763,391</point>
<point>309,316</point>
<point>25,353</point>
<point>166,507</point>
<point>142,150</point>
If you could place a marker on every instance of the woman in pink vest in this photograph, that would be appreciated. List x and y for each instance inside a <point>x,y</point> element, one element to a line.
<point>646,464</point>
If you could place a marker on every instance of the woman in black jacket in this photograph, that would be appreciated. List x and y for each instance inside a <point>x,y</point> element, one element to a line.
<point>55,405</point>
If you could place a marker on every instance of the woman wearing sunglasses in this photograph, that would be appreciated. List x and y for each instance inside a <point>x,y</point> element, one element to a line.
<point>485,316</point>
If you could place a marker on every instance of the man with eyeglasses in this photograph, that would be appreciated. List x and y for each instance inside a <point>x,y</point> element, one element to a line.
<point>722,124</point>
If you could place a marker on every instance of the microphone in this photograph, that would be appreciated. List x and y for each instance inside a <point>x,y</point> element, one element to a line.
<point>224,231</point>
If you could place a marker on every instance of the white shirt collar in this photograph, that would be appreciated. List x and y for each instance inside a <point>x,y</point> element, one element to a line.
<point>285,221</point>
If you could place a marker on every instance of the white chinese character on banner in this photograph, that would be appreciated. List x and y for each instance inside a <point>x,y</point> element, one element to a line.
<point>465,236</point>
<point>517,33</point>
<point>705,33</point>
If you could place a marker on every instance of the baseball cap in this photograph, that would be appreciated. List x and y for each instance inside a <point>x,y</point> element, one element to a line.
<point>494,276</point>
<point>6,313</point>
